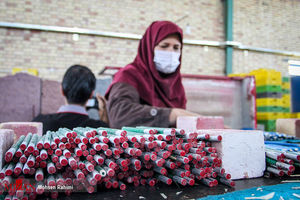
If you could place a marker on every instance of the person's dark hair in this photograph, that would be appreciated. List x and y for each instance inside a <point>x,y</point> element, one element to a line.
<point>78,84</point>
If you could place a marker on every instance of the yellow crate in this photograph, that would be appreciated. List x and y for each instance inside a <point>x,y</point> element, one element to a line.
<point>267,72</point>
<point>293,115</point>
<point>269,115</point>
<point>286,85</point>
<point>286,96</point>
<point>296,115</point>
<point>290,115</point>
<point>238,75</point>
<point>31,71</point>
<point>260,81</point>
<point>269,102</point>
<point>286,102</point>
<point>267,77</point>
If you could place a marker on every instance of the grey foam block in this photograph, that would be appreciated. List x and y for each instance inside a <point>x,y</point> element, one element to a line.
<point>20,97</point>
<point>52,97</point>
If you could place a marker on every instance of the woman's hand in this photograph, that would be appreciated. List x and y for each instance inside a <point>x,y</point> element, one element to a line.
<point>102,108</point>
<point>176,112</point>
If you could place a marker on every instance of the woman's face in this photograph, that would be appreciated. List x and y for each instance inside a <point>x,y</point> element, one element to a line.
<point>170,43</point>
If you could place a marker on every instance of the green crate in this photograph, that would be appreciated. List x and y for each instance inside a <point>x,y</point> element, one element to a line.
<point>269,109</point>
<point>285,91</point>
<point>285,79</point>
<point>286,109</point>
<point>268,88</point>
<point>270,125</point>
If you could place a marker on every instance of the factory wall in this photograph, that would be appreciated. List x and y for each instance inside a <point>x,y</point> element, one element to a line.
<point>260,23</point>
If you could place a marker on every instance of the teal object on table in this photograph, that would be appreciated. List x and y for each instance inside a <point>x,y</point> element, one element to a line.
<point>281,191</point>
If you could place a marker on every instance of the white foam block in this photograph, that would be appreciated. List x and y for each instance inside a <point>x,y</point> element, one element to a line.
<point>23,128</point>
<point>242,152</point>
<point>190,123</point>
<point>6,141</point>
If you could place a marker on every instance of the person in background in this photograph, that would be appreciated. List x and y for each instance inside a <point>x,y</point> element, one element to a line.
<point>78,86</point>
<point>149,90</point>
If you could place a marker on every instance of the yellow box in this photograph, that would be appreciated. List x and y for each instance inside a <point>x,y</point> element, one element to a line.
<point>286,85</point>
<point>269,102</point>
<point>260,81</point>
<point>269,115</point>
<point>267,77</point>
<point>286,96</point>
<point>267,72</point>
<point>31,71</point>
<point>293,115</point>
<point>286,100</point>
<point>290,115</point>
<point>287,115</point>
<point>238,75</point>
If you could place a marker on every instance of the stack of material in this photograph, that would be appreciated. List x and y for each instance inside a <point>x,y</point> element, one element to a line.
<point>282,158</point>
<point>275,136</point>
<point>84,158</point>
<point>23,128</point>
<point>273,97</point>
<point>242,152</point>
<point>269,97</point>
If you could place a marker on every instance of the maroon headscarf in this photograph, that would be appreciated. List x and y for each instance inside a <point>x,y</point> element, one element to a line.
<point>154,89</point>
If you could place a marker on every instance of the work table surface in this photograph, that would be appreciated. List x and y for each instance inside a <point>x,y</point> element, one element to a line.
<point>173,191</point>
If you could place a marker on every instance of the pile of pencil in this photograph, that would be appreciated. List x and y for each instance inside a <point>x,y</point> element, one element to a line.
<point>84,159</point>
<point>282,158</point>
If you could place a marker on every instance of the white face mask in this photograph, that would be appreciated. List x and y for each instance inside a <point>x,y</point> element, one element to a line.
<point>166,61</point>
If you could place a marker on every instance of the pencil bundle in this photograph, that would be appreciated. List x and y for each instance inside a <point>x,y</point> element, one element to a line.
<point>84,159</point>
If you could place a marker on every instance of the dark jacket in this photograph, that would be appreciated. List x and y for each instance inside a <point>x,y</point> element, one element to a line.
<point>70,120</point>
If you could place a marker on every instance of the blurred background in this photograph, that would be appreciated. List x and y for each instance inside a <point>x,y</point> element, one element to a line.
<point>50,35</point>
<point>260,38</point>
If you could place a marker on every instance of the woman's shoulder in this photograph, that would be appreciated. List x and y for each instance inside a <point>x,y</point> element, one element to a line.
<point>129,74</point>
<point>133,69</point>
<point>123,86</point>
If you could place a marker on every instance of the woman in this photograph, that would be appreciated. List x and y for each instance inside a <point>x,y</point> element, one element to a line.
<point>149,90</point>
